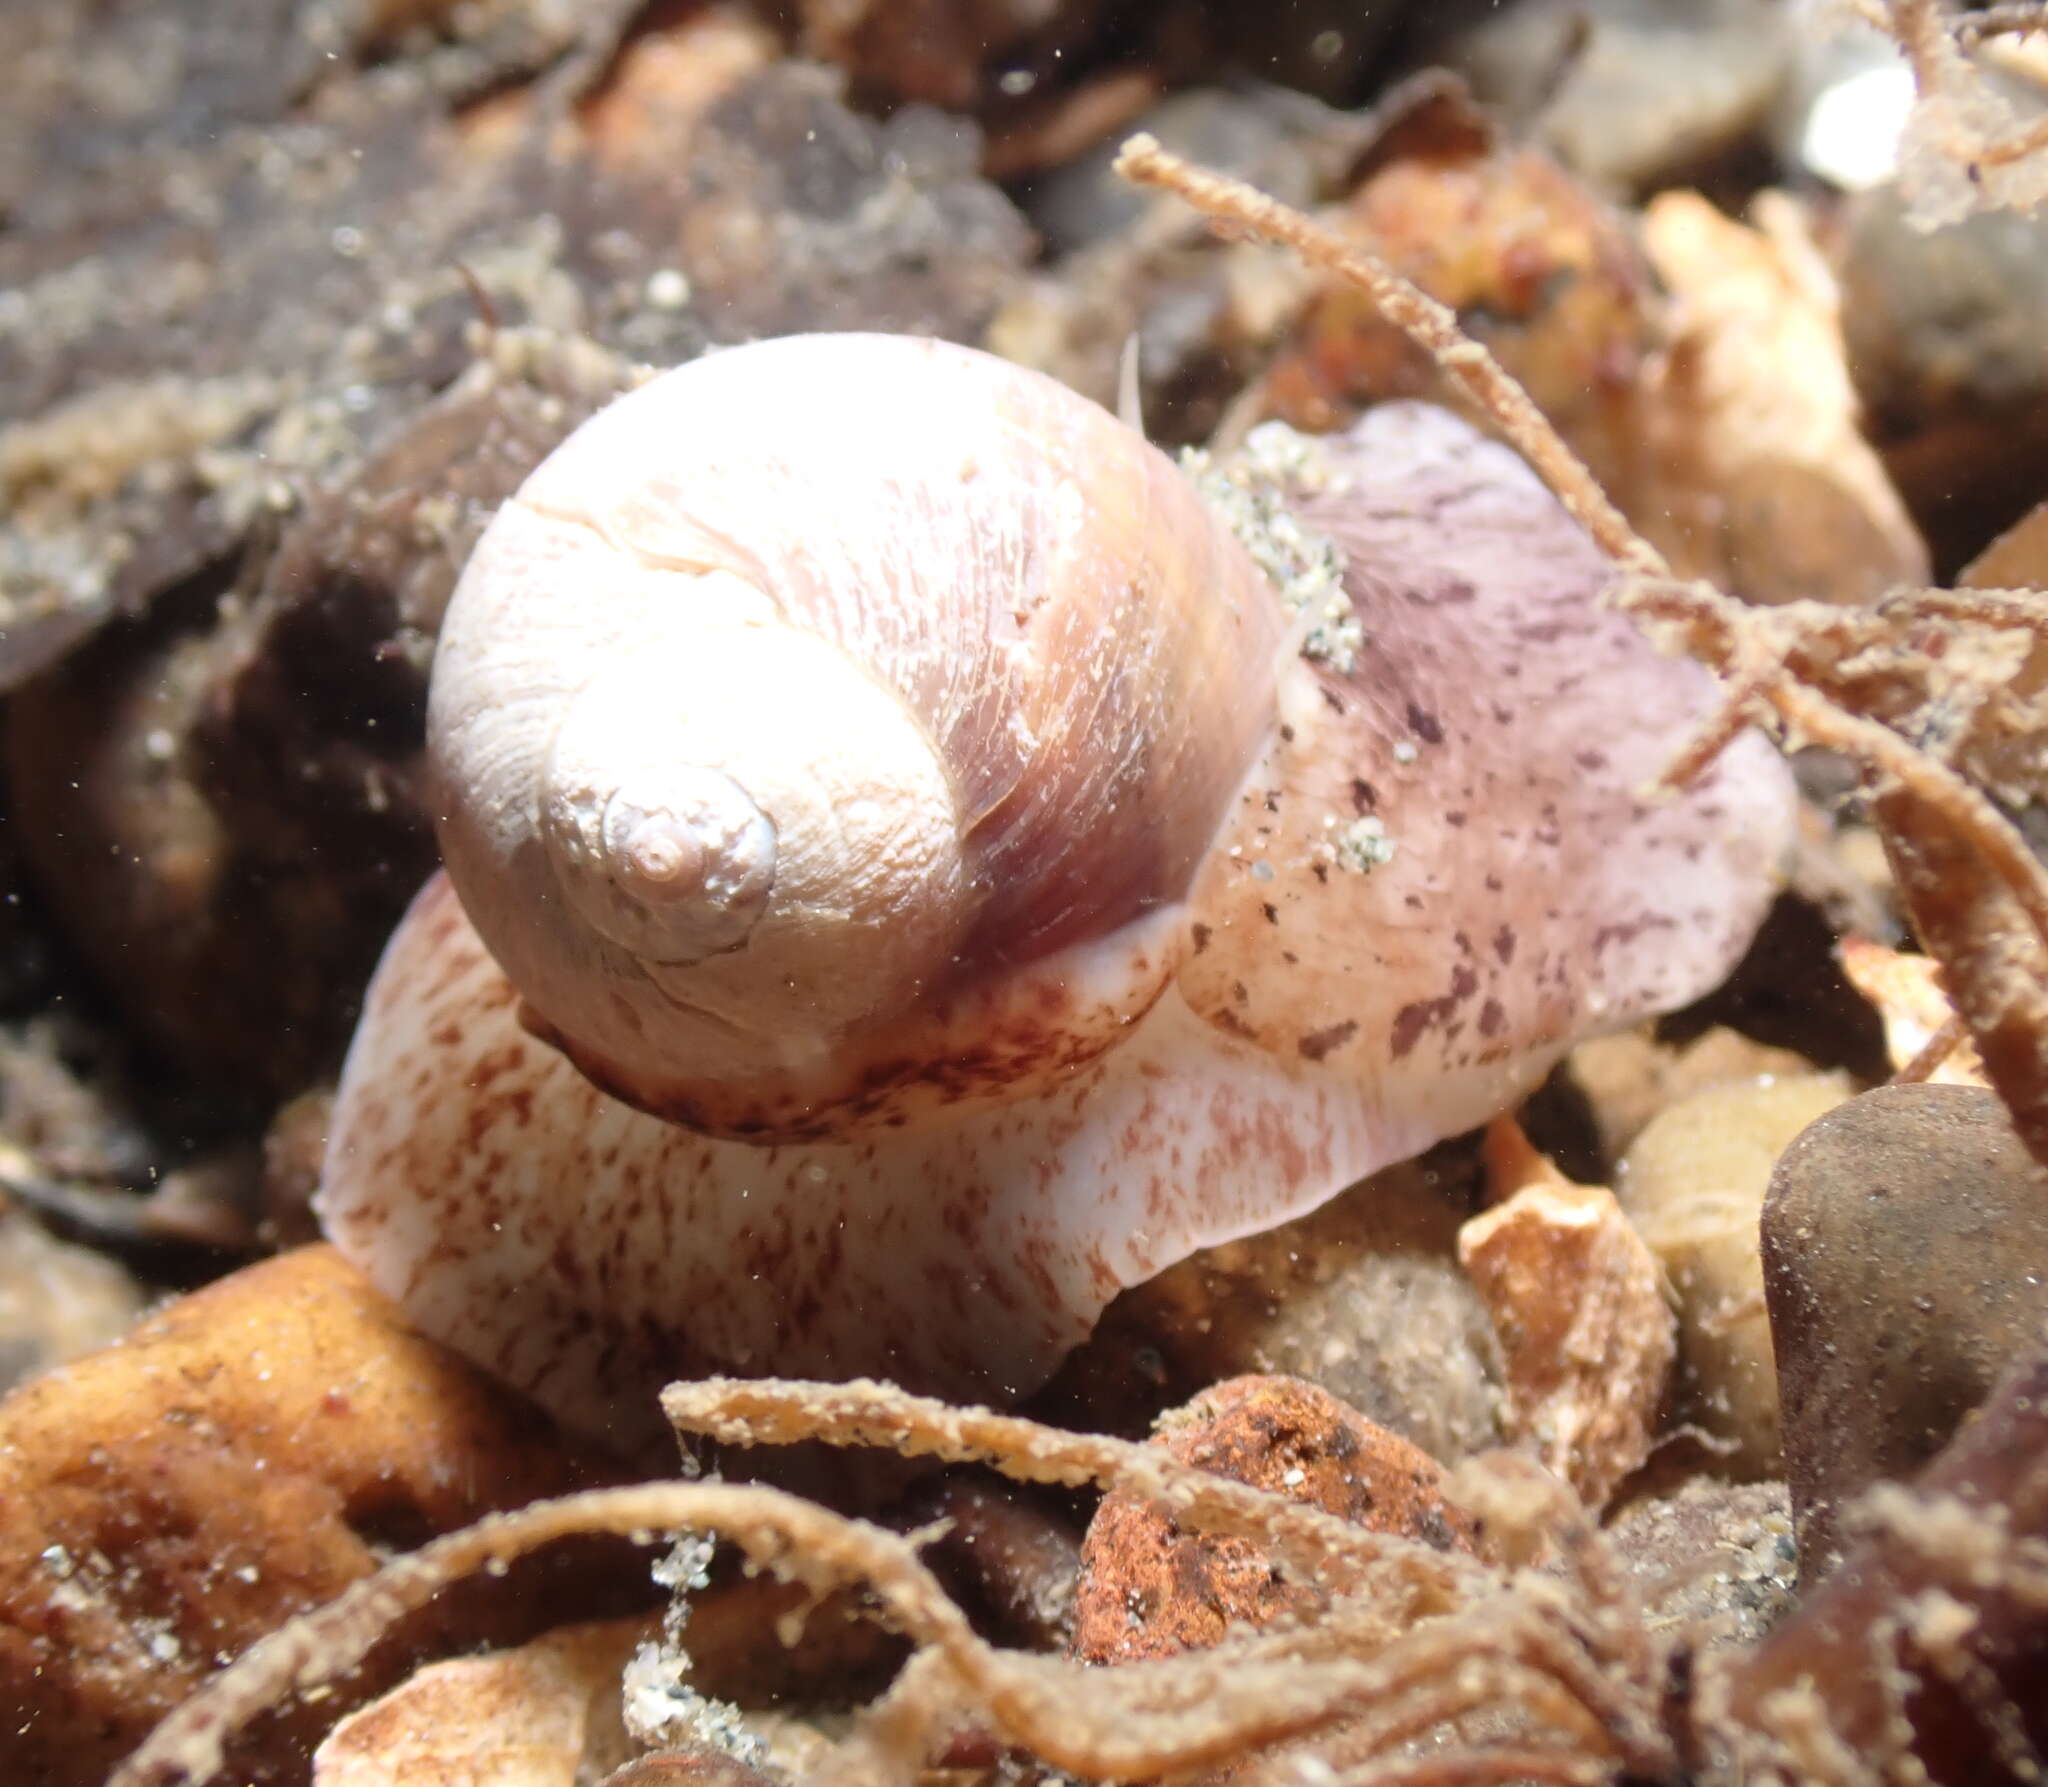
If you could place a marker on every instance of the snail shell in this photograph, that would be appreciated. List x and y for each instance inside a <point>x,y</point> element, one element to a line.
<point>761,764</point>
<point>909,880</point>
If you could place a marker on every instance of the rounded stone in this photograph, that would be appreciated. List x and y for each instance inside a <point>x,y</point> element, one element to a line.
<point>1905,1250</point>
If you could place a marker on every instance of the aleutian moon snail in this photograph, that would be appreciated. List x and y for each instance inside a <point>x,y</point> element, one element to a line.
<point>911,872</point>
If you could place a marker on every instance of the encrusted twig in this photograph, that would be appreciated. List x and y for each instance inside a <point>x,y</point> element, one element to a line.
<point>1375,1650</point>
<point>776,1411</point>
<point>1958,116</point>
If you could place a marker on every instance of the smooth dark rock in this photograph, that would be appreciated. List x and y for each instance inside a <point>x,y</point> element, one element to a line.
<point>1905,1249</point>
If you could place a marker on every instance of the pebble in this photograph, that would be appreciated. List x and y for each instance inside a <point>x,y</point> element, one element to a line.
<point>1577,1300</point>
<point>1150,1589</point>
<point>1004,1554</point>
<point>57,1299</point>
<point>1694,1182</point>
<point>1364,1297</point>
<point>241,1456</point>
<point>1634,94</point>
<point>1945,346</point>
<point>1713,1557</point>
<point>1627,1078</point>
<point>1905,1244</point>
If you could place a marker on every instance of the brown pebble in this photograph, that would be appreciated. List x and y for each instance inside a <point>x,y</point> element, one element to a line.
<point>1905,1244</point>
<point>243,1455</point>
<point>1578,1301</point>
<point>1150,1589</point>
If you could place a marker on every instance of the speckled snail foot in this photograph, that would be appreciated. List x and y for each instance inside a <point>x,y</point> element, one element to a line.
<point>912,872</point>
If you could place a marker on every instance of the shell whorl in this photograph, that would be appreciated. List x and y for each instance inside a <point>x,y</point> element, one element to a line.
<point>837,723</point>
<point>686,819</point>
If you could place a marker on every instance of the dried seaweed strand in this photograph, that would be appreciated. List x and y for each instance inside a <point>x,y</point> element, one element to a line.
<point>1086,1721</point>
<point>777,1411</point>
<point>773,1527</point>
<point>2014,608</point>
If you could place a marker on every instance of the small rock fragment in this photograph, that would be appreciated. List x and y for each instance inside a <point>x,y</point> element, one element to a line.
<point>1908,994</point>
<point>1693,1183</point>
<point>1905,1245</point>
<point>1148,1589</point>
<point>1578,1302</point>
<point>545,1714</point>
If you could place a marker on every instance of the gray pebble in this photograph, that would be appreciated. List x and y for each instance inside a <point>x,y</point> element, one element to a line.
<point>1363,1298</point>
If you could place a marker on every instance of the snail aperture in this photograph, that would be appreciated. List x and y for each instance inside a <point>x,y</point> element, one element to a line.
<point>911,872</point>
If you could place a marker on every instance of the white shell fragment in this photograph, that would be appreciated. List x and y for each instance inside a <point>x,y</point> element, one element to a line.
<point>1256,1027</point>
